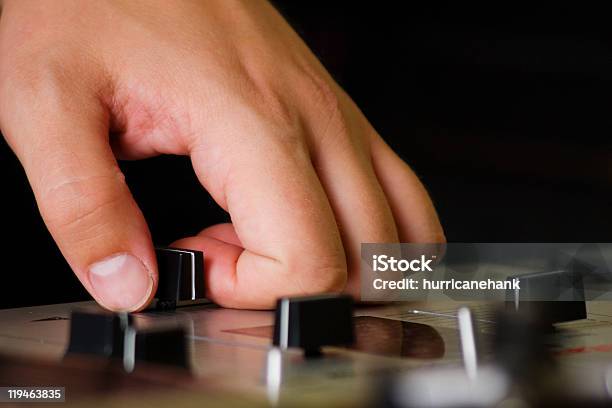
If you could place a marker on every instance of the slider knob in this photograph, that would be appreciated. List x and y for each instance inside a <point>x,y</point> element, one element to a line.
<point>313,321</point>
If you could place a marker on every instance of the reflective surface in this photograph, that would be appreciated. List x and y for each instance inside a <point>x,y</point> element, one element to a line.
<point>231,350</point>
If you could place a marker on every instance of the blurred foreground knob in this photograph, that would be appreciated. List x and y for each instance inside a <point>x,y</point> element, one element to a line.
<point>181,277</point>
<point>157,346</point>
<point>521,344</point>
<point>314,321</point>
<point>114,335</point>
<point>556,296</point>
<point>100,333</point>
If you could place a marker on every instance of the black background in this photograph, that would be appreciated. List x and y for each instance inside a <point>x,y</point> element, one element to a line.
<point>504,113</point>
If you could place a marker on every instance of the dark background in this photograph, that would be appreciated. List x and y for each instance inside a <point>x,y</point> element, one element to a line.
<point>504,113</point>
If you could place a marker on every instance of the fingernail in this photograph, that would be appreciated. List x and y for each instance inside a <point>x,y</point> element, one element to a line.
<point>120,282</point>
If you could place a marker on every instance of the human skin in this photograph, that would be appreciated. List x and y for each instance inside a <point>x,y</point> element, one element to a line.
<point>275,141</point>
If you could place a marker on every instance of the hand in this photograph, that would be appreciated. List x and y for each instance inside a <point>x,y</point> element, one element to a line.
<point>271,136</point>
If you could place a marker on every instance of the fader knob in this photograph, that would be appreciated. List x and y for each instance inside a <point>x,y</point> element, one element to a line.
<point>314,321</point>
<point>521,343</point>
<point>98,333</point>
<point>115,335</point>
<point>181,277</point>
<point>168,346</point>
<point>556,296</point>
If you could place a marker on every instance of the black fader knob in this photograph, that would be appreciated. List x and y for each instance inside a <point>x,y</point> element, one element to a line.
<point>162,346</point>
<point>98,333</point>
<point>117,337</point>
<point>314,321</point>
<point>181,277</point>
<point>522,343</point>
<point>557,296</point>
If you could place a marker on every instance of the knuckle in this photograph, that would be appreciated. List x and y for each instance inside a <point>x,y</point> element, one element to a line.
<point>33,81</point>
<point>277,118</point>
<point>280,113</point>
<point>280,136</point>
<point>328,275</point>
<point>328,109</point>
<point>287,135</point>
<point>37,85</point>
<point>265,106</point>
<point>43,76</point>
<point>321,94</point>
<point>326,280</point>
<point>268,98</point>
<point>32,70</point>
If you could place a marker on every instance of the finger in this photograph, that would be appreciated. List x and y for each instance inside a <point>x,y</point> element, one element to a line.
<point>279,211</point>
<point>223,232</point>
<point>221,250</point>
<point>414,213</point>
<point>61,137</point>
<point>342,161</point>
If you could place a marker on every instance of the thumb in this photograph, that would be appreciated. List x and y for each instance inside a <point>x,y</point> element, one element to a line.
<point>61,139</point>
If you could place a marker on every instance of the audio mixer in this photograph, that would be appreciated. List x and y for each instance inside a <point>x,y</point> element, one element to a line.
<point>310,351</point>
